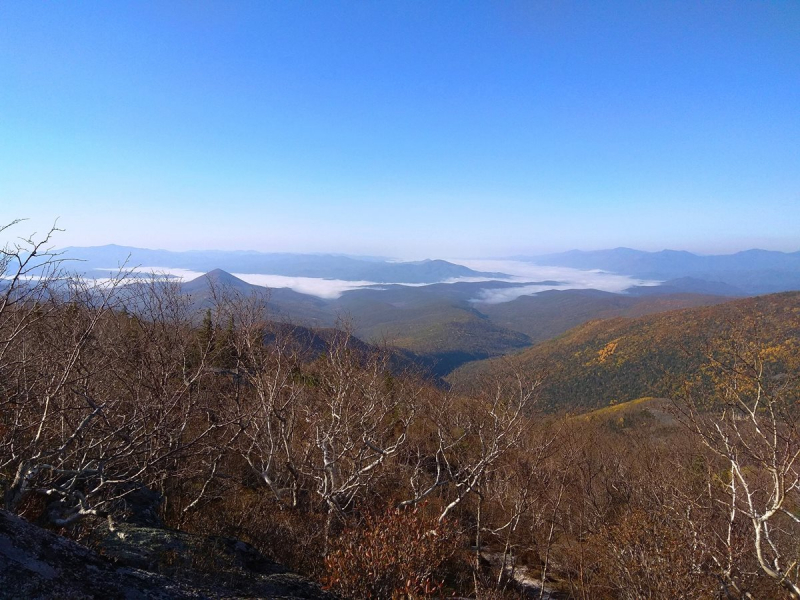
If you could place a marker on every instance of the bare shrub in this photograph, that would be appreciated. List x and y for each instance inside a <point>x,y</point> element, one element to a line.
<point>396,554</point>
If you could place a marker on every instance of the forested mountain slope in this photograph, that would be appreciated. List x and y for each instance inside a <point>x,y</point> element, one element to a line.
<point>549,314</point>
<point>616,360</point>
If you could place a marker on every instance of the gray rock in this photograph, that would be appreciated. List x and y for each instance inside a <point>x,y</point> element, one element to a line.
<point>135,563</point>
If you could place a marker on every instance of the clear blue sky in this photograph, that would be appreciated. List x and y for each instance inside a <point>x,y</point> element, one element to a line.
<point>403,128</point>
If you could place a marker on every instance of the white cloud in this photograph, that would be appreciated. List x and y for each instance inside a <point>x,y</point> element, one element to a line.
<point>564,278</point>
<point>165,272</point>
<point>329,289</point>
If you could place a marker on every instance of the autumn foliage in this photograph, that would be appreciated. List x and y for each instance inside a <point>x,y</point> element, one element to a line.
<point>399,553</point>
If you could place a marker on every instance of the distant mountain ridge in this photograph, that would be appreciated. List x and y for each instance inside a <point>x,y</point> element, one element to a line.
<point>750,271</point>
<point>327,266</point>
<point>668,261</point>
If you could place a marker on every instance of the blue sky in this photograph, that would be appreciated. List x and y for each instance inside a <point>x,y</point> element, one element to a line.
<point>403,128</point>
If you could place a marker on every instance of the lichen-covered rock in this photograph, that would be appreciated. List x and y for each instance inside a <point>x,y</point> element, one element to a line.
<point>36,563</point>
<point>223,565</point>
<point>138,563</point>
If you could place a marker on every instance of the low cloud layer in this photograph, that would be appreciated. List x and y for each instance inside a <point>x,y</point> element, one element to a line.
<point>563,278</point>
<point>158,272</point>
<point>328,289</point>
<point>568,279</point>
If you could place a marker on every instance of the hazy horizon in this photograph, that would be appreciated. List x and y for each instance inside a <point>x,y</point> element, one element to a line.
<point>410,258</point>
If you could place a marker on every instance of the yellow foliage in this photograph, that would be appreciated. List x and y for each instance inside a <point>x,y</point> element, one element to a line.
<point>608,350</point>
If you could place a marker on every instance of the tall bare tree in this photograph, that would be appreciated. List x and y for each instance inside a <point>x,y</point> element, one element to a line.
<point>750,422</point>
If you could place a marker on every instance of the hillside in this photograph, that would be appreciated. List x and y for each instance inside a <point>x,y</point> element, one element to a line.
<point>551,313</point>
<point>227,424</point>
<point>314,338</point>
<point>654,415</point>
<point>285,304</point>
<point>450,336</point>
<point>616,360</point>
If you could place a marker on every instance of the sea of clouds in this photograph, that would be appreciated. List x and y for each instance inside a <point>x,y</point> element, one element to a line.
<point>566,278</point>
<point>562,278</point>
<point>328,289</point>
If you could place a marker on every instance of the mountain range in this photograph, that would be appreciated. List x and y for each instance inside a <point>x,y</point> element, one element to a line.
<point>326,266</point>
<point>749,272</point>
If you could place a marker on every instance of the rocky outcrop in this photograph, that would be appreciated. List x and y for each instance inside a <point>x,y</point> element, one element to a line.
<point>134,562</point>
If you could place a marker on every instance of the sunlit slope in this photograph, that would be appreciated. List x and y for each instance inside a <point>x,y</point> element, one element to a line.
<point>549,314</point>
<point>648,415</point>
<point>617,360</point>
